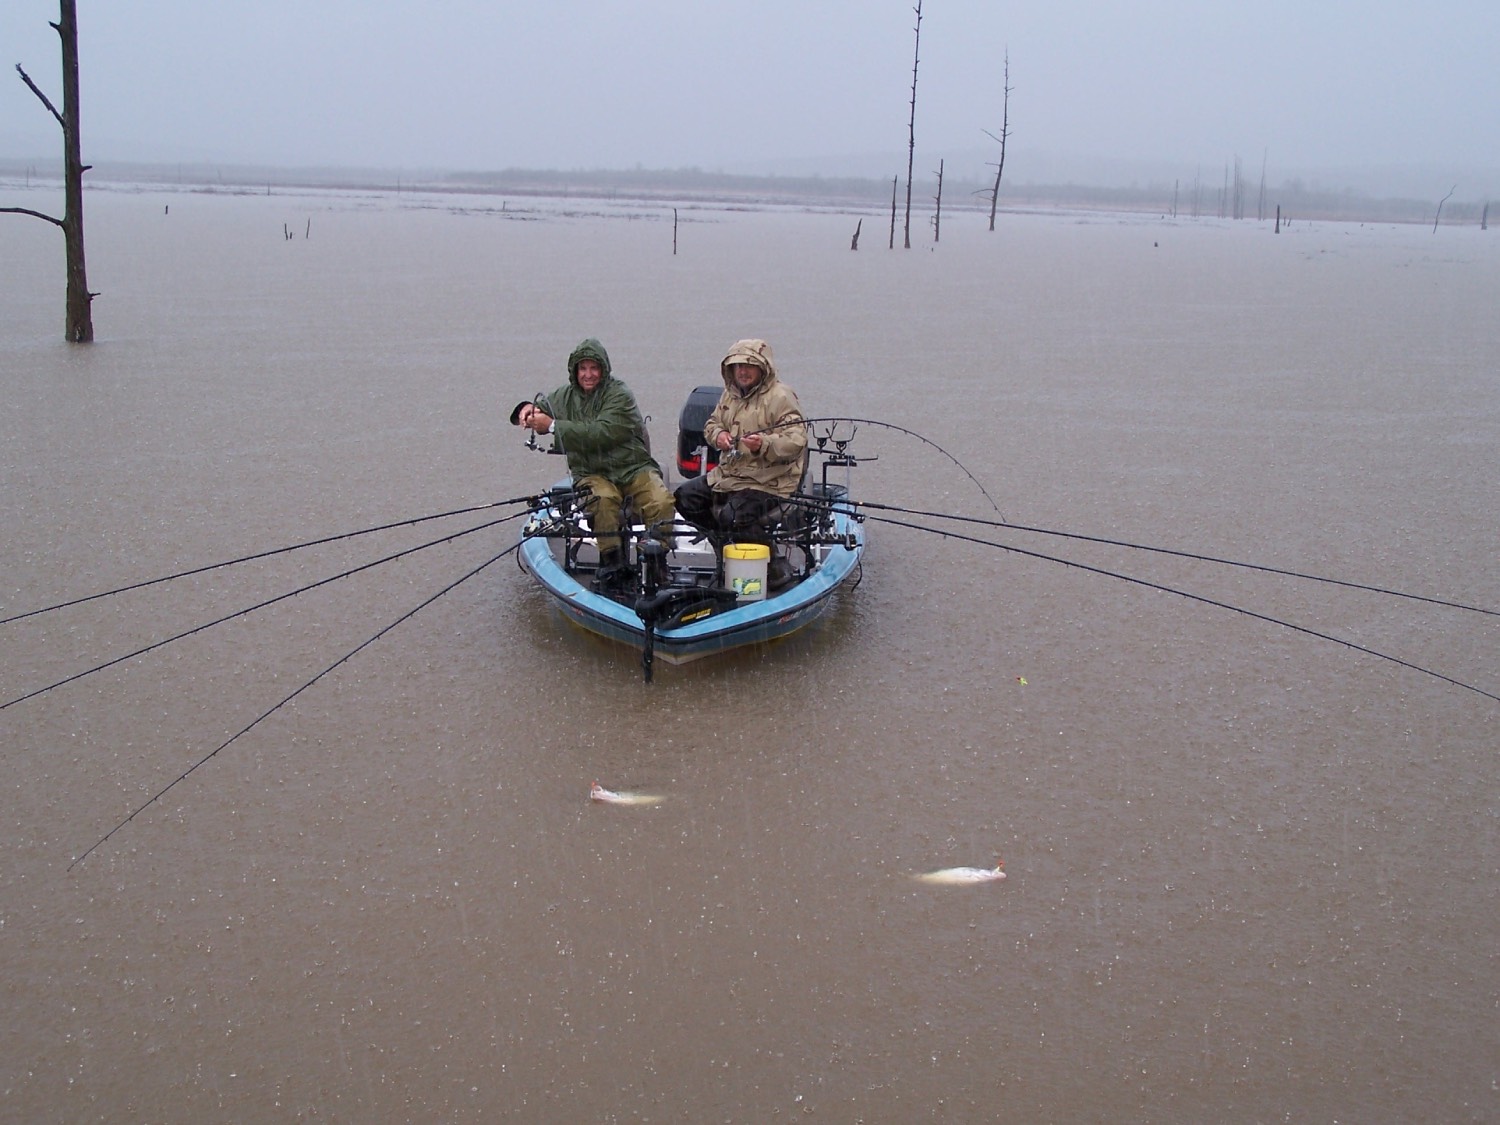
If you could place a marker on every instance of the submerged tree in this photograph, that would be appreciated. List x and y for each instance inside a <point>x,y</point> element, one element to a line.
<point>937,215</point>
<point>1439,214</point>
<point>80,319</point>
<point>911,128</point>
<point>1004,133</point>
<point>895,181</point>
<point>1260,203</point>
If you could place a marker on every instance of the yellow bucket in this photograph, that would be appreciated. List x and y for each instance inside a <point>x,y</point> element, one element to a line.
<point>745,570</point>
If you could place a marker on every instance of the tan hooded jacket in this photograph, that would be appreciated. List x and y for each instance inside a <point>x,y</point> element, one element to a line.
<point>770,409</point>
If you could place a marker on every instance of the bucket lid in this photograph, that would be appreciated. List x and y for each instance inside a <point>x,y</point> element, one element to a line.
<point>747,551</point>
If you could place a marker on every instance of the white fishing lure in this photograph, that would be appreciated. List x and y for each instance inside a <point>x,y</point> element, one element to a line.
<point>597,792</point>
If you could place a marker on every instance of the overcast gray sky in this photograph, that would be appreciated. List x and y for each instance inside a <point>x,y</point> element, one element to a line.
<point>486,84</point>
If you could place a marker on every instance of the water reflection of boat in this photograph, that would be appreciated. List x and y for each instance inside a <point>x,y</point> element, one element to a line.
<point>705,605</point>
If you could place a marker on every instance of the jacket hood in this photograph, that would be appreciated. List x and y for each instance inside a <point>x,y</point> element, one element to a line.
<point>588,349</point>
<point>757,352</point>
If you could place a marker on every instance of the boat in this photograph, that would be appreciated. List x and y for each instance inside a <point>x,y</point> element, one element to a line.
<point>716,596</point>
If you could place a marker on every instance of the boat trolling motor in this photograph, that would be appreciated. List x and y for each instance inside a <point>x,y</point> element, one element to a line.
<point>670,605</point>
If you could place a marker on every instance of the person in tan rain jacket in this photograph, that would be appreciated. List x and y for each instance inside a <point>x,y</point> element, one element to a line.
<point>757,429</point>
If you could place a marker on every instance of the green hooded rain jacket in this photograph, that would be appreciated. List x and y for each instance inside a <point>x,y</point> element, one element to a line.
<point>601,431</point>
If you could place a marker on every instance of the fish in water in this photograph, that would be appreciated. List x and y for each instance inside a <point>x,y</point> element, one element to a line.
<point>961,876</point>
<point>597,792</point>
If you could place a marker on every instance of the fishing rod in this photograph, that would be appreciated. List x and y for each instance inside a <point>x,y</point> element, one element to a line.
<point>1184,555</point>
<point>264,555</point>
<point>1356,646</point>
<point>348,655</point>
<point>889,426</point>
<point>259,605</point>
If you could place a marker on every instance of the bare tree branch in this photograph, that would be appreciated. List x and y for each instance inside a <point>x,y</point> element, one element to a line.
<point>26,78</point>
<point>29,211</point>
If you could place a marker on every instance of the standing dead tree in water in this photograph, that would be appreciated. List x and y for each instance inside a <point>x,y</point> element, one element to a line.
<point>937,215</point>
<point>80,318</point>
<point>1004,133</point>
<point>1260,204</point>
<point>1439,214</point>
<point>895,180</point>
<point>911,127</point>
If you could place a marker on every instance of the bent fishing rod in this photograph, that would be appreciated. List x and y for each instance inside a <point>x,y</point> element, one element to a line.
<point>1162,588</point>
<point>259,605</point>
<point>1194,556</point>
<point>809,422</point>
<point>265,555</point>
<point>267,714</point>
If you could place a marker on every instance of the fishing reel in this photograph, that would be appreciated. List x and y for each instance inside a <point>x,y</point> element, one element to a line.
<point>532,444</point>
<point>541,403</point>
<point>557,514</point>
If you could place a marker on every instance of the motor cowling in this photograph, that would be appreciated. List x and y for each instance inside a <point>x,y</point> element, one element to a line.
<point>694,457</point>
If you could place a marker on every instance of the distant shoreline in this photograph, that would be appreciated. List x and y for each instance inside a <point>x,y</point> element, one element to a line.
<point>854,194</point>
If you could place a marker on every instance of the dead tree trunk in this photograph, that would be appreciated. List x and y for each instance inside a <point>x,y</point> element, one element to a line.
<point>894,181</point>
<point>1439,214</point>
<point>937,215</point>
<point>911,128</point>
<point>854,242</point>
<point>1004,133</point>
<point>79,328</point>
<point>1260,203</point>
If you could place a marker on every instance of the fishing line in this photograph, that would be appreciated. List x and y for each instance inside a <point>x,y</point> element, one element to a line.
<point>898,429</point>
<point>263,555</point>
<point>1185,555</point>
<point>1193,597</point>
<point>259,605</point>
<point>363,645</point>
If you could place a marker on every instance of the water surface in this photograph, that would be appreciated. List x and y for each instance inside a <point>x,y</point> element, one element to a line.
<point>1252,874</point>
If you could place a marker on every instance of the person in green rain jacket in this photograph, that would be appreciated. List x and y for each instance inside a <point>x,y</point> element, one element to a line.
<point>596,422</point>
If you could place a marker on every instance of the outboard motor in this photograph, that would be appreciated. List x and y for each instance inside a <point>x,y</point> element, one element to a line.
<point>694,457</point>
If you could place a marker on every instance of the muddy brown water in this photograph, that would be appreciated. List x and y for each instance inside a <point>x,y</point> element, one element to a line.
<point>1252,874</point>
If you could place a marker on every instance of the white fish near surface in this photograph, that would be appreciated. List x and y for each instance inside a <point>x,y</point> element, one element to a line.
<point>597,792</point>
<point>962,876</point>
